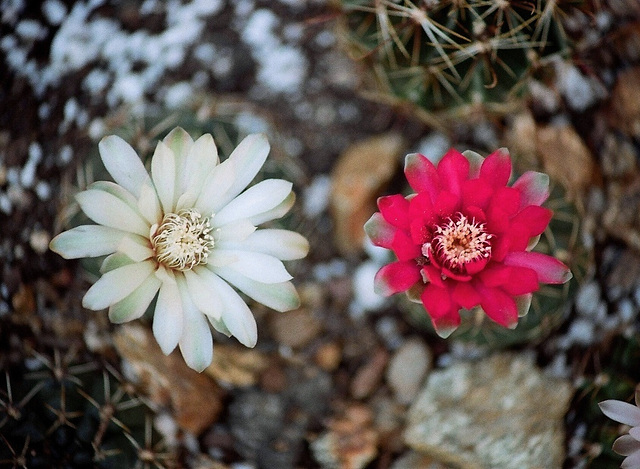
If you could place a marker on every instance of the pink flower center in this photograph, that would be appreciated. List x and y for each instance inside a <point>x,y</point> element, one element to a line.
<point>458,243</point>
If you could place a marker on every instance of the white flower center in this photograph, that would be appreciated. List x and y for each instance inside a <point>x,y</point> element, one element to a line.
<point>182,241</point>
<point>459,242</point>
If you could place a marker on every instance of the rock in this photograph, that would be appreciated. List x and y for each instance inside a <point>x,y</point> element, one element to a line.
<point>625,107</point>
<point>565,157</point>
<point>618,156</point>
<point>588,298</point>
<point>350,442</point>
<point>354,190</point>
<point>369,375</point>
<point>294,328</point>
<point>328,356</point>
<point>408,368</point>
<point>236,365</point>
<point>501,412</point>
<point>414,460</point>
<point>195,398</point>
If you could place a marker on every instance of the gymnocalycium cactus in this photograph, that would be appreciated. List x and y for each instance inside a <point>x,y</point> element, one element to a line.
<point>444,54</point>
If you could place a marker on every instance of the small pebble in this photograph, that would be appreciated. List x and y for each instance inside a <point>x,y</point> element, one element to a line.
<point>408,368</point>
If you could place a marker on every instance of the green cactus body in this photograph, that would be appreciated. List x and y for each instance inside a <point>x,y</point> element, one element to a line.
<point>447,55</point>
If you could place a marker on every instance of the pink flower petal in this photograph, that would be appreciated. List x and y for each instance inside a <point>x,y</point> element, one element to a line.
<point>436,300</point>
<point>421,207</point>
<point>465,295</point>
<point>404,247</point>
<point>421,174</point>
<point>499,306</point>
<point>495,274</point>
<point>438,303</point>
<point>433,275</point>
<point>533,187</point>
<point>419,232</point>
<point>496,168</point>
<point>477,193</point>
<point>507,198</point>
<point>396,277</point>
<point>621,412</point>
<point>535,218</point>
<point>379,231</point>
<point>447,204</point>
<point>453,169</point>
<point>395,210</point>
<point>549,269</point>
<point>521,281</point>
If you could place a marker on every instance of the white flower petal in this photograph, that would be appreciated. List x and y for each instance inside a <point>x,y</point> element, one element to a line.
<point>196,343</point>
<point>168,318</point>
<point>179,142</point>
<point>136,248</point>
<point>186,201</point>
<point>135,305</point>
<point>218,325</point>
<point>256,200</point>
<point>117,190</point>
<point>221,257</point>
<point>276,212</point>
<point>106,209</point>
<point>279,296</point>
<point>236,314</point>
<point>87,241</point>
<point>284,244</point>
<point>114,261</point>
<point>620,411</point>
<point>123,163</point>
<point>626,445</point>
<point>248,158</point>
<point>202,158</point>
<point>116,285</point>
<point>203,292</point>
<point>255,265</point>
<point>149,205</point>
<point>215,185</point>
<point>163,172</point>
<point>236,231</point>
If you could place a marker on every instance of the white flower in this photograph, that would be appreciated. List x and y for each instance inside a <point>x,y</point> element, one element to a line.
<point>629,444</point>
<point>186,233</point>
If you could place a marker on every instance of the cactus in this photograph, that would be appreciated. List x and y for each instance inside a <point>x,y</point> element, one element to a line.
<point>66,415</point>
<point>449,55</point>
<point>549,305</point>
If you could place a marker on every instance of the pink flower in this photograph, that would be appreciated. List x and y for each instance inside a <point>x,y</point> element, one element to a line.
<point>628,414</point>
<point>464,239</point>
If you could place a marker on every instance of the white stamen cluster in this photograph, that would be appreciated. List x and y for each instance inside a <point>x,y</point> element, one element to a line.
<point>460,241</point>
<point>182,241</point>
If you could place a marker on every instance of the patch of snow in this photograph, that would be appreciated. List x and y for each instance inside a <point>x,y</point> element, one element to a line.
<point>11,10</point>
<point>178,95</point>
<point>315,199</point>
<point>249,123</point>
<point>54,11</point>
<point>31,30</point>
<point>331,269</point>
<point>43,190</point>
<point>65,155</point>
<point>325,39</point>
<point>28,173</point>
<point>579,91</point>
<point>587,298</point>
<point>434,146</point>
<point>364,297</point>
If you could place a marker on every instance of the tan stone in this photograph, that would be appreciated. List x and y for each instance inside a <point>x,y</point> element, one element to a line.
<point>236,365</point>
<point>294,328</point>
<point>351,441</point>
<point>499,412</point>
<point>625,104</point>
<point>565,157</point>
<point>195,398</point>
<point>357,178</point>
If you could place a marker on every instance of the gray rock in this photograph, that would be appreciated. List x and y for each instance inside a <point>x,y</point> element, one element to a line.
<point>408,368</point>
<point>499,412</point>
